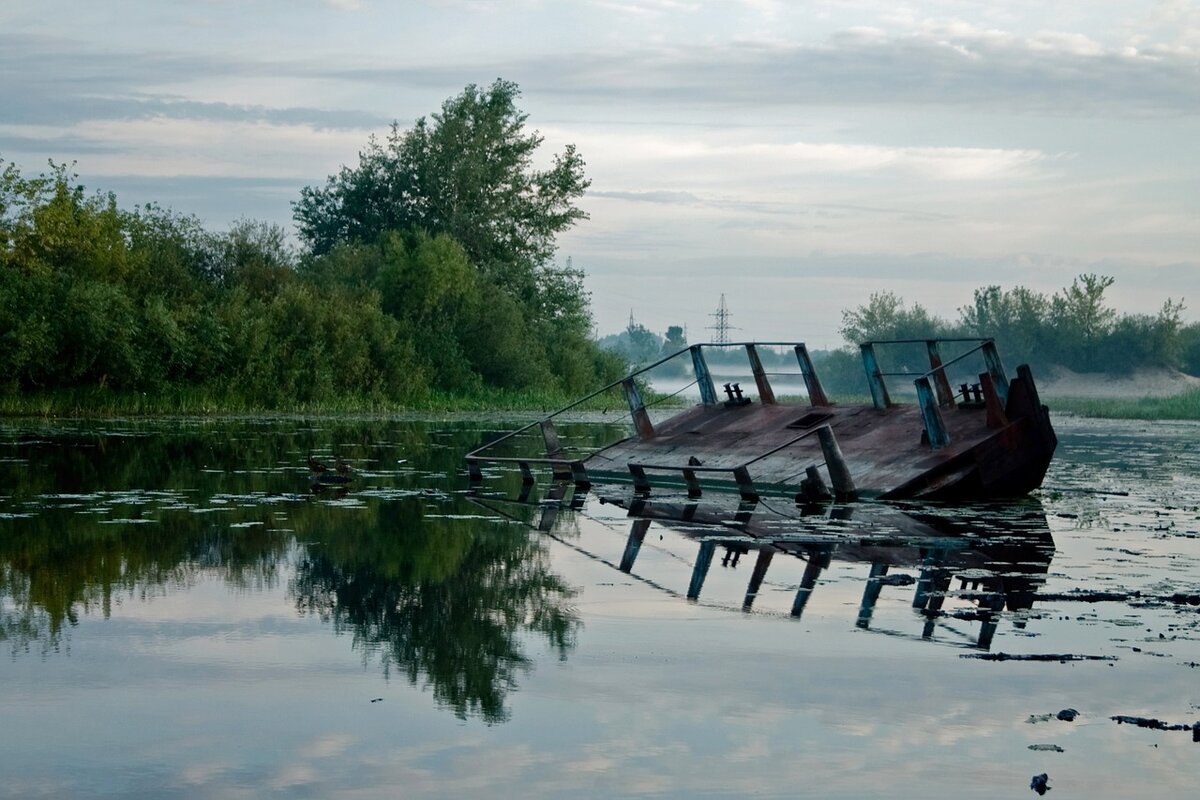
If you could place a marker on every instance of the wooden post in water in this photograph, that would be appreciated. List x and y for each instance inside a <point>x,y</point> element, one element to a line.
<point>756,577</point>
<point>871,594</point>
<point>637,534</point>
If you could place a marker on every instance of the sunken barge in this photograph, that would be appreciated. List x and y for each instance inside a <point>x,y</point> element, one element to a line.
<point>989,439</point>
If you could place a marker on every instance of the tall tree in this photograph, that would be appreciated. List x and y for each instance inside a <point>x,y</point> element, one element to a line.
<point>468,173</point>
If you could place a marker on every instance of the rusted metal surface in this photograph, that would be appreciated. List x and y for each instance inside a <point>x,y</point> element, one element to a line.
<point>997,443</point>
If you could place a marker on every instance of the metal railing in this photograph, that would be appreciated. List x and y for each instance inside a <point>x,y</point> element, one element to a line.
<point>932,396</point>
<point>565,467</point>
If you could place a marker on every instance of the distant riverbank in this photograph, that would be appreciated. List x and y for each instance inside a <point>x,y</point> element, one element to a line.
<point>1161,397</point>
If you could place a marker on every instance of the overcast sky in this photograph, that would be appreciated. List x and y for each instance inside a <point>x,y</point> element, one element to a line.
<point>795,156</point>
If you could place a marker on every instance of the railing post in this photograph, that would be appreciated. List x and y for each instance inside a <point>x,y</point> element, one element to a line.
<point>816,393</point>
<point>835,462</point>
<point>745,484</point>
<point>879,392</point>
<point>708,392</point>
<point>766,395</point>
<point>641,418</point>
<point>641,484</point>
<point>935,429</point>
<point>992,358</point>
<point>554,451</point>
<point>941,382</point>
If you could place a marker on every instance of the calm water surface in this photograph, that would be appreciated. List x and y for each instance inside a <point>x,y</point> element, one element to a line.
<point>184,613</point>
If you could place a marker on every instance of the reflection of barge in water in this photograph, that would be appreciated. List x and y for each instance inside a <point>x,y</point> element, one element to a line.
<point>986,559</point>
<point>992,439</point>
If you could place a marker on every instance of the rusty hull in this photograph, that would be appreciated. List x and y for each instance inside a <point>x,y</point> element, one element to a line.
<point>887,451</point>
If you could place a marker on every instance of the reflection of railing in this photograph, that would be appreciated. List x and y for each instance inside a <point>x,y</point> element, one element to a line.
<point>991,391</point>
<point>566,467</point>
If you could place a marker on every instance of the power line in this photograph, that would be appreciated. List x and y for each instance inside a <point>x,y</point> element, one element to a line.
<point>722,326</point>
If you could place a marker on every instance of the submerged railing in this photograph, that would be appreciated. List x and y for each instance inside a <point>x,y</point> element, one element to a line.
<point>991,392</point>
<point>933,392</point>
<point>567,467</point>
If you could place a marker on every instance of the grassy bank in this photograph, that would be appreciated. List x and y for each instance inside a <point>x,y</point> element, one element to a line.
<point>1184,406</point>
<point>94,402</point>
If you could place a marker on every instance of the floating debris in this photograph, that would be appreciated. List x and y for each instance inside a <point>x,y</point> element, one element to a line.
<point>1155,724</point>
<point>1059,657</point>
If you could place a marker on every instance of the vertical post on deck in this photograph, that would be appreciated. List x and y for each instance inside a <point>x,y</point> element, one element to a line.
<point>745,484</point>
<point>637,534</point>
<point>641,418</point>
<point>839,473</point>
<point>816,392</point>
<point>700,571</point>
<point>931,415</point>
<point>554,450</point>
<point>756,577</point>
<point>991,357</point>
<point>945,395</point>
<point>708,392</point>
<point>996,418</point>
<point>766,395</point>
<point>879,392</point>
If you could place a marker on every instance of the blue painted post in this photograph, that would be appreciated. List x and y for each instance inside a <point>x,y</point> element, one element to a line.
<point>812,571</point>
<point>700,571</point>
<point>766,395</point>
<point>641,418</point>
<point>879,392</point>
<point>816,393</point>
<point>935,429</point>
<point>871,595</point>
<point>708,392</point>
<point>991,357</point>
<point>637,534</point>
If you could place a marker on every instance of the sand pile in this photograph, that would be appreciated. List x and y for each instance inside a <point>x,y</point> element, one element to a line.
<point>1062,382</point>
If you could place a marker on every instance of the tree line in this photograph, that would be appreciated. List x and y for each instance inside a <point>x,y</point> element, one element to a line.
<point>1075,327</point>
<point>429,266</point>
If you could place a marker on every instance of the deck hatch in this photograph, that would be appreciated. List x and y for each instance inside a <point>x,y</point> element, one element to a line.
<point>810,419</point>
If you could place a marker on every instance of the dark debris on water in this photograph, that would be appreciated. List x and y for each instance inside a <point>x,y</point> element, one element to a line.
<point>1062,658</point>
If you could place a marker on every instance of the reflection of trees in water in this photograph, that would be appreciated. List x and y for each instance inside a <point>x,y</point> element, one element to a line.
<point>57,567</point>
<point>448,602</point>
<point>443,601</point>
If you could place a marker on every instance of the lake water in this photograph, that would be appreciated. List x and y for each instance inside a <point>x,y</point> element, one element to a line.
<point>183,613</point>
